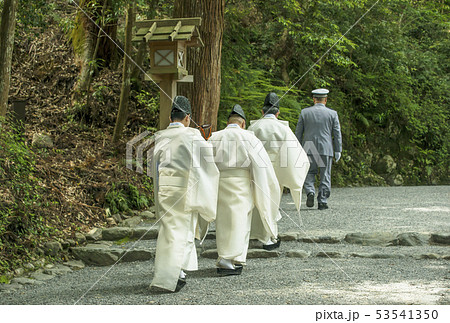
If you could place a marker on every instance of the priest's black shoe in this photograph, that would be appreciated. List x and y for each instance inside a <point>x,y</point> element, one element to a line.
<point>228,272</point>
<point>180,284</point>
<point>272,246</point>
<point>310,200</point>
<point>323,206</point>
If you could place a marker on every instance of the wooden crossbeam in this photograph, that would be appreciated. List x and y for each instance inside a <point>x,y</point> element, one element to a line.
<point>160,37</point>
<point>150,31</point>
<point>175,31</point>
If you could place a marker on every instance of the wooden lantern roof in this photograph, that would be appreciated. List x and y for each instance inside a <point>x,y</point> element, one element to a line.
<point>177,29</point>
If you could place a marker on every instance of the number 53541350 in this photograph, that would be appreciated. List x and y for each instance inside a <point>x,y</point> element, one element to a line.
<point>406,314</point>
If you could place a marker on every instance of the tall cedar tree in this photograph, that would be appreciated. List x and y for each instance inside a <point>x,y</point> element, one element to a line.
<point>91,44</point>
<point>7,28</point>
<point>205,62</point>
<point>122,113</point>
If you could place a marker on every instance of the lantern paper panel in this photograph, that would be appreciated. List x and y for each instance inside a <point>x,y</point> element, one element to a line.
<point>164,57</point>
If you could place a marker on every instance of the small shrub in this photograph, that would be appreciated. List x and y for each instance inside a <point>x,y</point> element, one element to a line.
<point>21,224</point>
<point>123,197</point>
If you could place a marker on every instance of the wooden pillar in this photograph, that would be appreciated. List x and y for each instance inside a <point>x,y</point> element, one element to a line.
<point>166,95</point>
<point>168,84</point>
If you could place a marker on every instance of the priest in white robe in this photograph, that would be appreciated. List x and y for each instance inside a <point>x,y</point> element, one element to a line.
<point>288,158</point>
<point>185,184</point>
<point>247,180</point>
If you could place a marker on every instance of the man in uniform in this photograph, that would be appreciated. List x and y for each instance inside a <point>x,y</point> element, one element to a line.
<point>186,186</point>
<point>247,180</point>
<point>319,132</point>
<point>288,158</point>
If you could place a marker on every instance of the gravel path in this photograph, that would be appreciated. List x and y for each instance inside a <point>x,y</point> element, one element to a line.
<point>284,280</point>
<point>372,209</point>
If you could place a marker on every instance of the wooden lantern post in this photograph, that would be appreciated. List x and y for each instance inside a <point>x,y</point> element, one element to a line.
<point>168,40</point>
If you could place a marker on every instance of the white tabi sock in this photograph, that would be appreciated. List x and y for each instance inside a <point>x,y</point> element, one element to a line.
<point>182,274</point>
<point>269,242</point>
<point>225,263</point>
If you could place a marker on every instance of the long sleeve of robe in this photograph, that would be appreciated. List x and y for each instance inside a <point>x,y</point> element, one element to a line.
<point>289,160</point>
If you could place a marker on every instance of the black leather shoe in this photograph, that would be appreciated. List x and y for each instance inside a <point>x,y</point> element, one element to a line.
<point>272,246</point>
<point>229,272</point>
<point>310,200</point>
<point>180,284</point>
<point>323,206</point>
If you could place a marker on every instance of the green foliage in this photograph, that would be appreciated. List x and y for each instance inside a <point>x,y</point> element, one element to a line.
<point>17,167</point>
<point>150,103</point>
<point>34,13</point>
<point>76,113</point>
<point>116,201</point>
<point>123,197</point>
<point>4,280</point>
<point>397,90</point>
<point>122,241</point>
<point>244,82</point>
<point>92,11</point>
<point>99,93</point>
<point>21,223</point>
<point>388,76</point>
<point>154,9</point>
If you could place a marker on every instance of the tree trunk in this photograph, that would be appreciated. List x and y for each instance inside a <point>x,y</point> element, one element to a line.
<point>100,11</point>
<point>205,63</point>
<point>84,40</point>
<point>7,27</point>
<point>136,68</point>
<point>92,67</point>
<point>122,113</point>
<point>182,9</point>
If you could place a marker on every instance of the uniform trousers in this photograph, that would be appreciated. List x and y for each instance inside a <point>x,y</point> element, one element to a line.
<point>319,164</point>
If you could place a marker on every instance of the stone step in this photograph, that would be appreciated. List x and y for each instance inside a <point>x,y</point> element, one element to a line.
<point>104,255</point>
<point>25,281</point>
<point>57,270</point>
<point>385,239</point>
<point>145,233</point>
<point>252,253</point>
<point>359,238</point>
<point>119,233</point>
<point>298,253</point>
<point>438,238</point>
<point>41,275</point>
<point>74,264</point>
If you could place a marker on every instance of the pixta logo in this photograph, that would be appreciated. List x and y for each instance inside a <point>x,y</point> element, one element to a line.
<point>135,151</point>
<point>141,150</point>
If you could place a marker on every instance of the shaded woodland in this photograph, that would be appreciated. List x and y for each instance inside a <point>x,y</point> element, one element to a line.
<point>388,77</point>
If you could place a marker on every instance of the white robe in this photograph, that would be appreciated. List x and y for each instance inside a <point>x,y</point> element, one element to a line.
<point>186,184</point>
<point>288,158</point>
<point>247,179</point>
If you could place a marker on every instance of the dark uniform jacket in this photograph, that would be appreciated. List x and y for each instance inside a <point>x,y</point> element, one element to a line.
<point>319,126</point>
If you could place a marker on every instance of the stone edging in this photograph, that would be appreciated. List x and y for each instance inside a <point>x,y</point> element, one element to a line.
<point>298,253</point>
<point>375,238</point>
<point>42,275</point>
